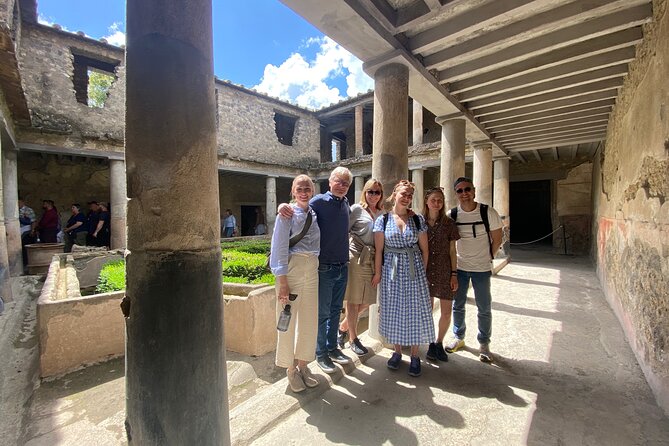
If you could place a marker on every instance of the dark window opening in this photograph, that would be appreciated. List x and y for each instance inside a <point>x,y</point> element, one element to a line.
<point>92,80</point>
<point>339,146</point>
<point>285,128</point>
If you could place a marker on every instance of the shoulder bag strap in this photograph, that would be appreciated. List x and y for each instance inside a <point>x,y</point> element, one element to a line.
<point>296,238</point>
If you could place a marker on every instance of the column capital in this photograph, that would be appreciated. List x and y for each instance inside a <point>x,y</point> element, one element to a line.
<point>441,120</point>
<point>482,145</point>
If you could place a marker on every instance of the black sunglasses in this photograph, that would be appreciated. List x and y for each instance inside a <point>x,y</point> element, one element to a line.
<point>466,189</point>
<point>373,192</point>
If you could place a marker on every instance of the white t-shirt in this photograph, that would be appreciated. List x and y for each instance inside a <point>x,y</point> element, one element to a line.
<point>474,252</point>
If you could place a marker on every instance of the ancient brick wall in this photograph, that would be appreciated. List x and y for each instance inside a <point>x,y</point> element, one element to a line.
<point>631,198</point>
<point>47,66</point>
<point>573,209</point>
<point>247,128</point>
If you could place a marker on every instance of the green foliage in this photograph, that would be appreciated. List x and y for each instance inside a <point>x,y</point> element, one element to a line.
<point>112,277</point>
<point>246,263</point>
<point>243,264</point>
<point>98,88</point>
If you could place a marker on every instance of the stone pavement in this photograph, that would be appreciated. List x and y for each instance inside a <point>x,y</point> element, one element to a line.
<point>563,375</point>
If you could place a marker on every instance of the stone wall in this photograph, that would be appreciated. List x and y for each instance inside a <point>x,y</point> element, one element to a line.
<point>246,128</point>
<point>46,61</point>
<point>573,209</point>
<point>64,180</point>
<point>631,198</point>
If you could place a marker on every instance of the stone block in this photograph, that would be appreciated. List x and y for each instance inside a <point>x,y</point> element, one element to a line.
<point>250,322</point>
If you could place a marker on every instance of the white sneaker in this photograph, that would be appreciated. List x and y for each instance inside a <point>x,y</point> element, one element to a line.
<point>308,378</point>
<point>295,380</point>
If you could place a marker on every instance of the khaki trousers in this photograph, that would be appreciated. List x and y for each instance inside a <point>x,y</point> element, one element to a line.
<point>299,341</point>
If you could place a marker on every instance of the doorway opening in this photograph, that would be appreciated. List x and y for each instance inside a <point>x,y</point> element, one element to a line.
<point>530,209</point>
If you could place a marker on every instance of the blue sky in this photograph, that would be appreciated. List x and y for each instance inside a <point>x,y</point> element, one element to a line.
<point>260,44</point>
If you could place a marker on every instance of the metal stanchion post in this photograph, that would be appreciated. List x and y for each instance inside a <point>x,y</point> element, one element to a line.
<point>564,239</point>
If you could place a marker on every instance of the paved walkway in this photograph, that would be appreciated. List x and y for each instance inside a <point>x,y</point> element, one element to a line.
<point>563,375</point>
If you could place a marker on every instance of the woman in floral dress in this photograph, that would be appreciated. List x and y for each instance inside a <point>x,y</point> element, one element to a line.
<point>442,275</point>
<point>400,261</point>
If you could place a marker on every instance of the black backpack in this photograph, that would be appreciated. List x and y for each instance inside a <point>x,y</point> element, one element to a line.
<point>484,221</point>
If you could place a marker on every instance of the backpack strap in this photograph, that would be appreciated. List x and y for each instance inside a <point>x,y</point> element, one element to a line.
<point>454,214</point>
<point>484,217</point>
<point>483,210</point>
<point>416,221</point>
<point>385,221</point>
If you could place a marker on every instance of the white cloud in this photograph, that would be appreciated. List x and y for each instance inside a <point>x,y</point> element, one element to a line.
<point>308,83</point>
<point>116,36</point>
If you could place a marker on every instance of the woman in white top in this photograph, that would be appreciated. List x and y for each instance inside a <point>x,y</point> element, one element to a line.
<point>296,271</point>
<point>359,291</point>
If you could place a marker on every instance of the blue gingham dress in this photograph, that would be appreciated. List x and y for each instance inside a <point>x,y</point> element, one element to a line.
<point>406,313</point>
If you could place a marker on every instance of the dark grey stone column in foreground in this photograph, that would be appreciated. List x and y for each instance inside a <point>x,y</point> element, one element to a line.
<point>390,155</point>
<point>176,391</point>
<point>10,197</point>
<point>5,282</point>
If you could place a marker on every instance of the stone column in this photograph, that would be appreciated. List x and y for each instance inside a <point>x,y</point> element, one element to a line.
<point>119,203</point>
<point>419,192</point>
<point>390,153</point>
<point>359,141</point>
<point>176,382</point>
<point>390,159</point>
<point>359,184</point>
<point>11,205</point>
<point>417,123</point>
<point>452,158</point>
<point>270,203</point>
<point>483,173</point>
<point>5,282</point>
<point>501,198</point>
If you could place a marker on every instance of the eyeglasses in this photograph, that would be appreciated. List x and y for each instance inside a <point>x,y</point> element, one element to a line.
<point>373,192</point>
<point>466,189</point>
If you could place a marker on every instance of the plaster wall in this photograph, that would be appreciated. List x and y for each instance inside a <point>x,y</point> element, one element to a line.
<point>246,129</point>
<point>573,206</point>
<point>46,62</point>
<point>631,199</point>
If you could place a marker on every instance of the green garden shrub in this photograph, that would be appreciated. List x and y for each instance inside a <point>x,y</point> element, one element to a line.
<point>112,277</point>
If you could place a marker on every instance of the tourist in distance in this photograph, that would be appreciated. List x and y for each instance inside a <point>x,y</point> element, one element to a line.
<point>295,268</point>
<point>49,223</point>
<point>401,257</point>
<point>441,272</point>
<point>229,224</point>
<point>92,220</point>
<point>102,232</point>
<point>476,247</point>
<point>333,212</point>
<point>359,290</point>
<point>76,230</point>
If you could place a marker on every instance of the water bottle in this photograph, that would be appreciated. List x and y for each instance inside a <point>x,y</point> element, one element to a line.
<point>284,319</point>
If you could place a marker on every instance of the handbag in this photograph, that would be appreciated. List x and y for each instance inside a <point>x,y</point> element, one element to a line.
<point>297,237</point>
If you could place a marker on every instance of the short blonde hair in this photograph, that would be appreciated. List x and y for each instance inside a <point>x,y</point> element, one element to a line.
<point>363,196</point>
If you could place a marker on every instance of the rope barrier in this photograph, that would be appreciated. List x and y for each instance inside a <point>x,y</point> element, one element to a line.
<point>539,239</point>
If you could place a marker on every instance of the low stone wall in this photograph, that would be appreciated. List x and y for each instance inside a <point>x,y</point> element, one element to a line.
<point>75,330</point>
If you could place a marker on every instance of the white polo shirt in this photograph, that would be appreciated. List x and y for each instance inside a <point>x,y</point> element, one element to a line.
<point>474,252</point>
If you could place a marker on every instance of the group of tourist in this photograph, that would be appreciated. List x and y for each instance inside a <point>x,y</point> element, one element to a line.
<point>410,259</point>
<point>92,229</point>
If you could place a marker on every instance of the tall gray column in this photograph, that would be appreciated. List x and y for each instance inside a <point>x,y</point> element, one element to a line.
<point>5,282</point>
<point>452,157</point>
<point>10,194</point>
<point>176,389</point>
<point>270,203</point>
<point>483,173</point>
<point>417,123</point>
<point>501,197</point>
<point>359,185</point>
<point>119,203</point>
<point>419,192</point>
<point>390,157</point>
<point>359,142</point>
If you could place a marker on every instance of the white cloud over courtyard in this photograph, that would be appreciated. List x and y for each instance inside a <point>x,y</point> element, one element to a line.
<point>307,83</point>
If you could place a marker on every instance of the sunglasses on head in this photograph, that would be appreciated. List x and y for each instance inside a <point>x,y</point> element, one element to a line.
<point>373,192</point>
<point>465,189</point>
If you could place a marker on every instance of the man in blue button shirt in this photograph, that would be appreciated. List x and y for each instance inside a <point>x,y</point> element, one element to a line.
<point>332,211</point>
